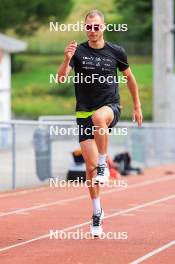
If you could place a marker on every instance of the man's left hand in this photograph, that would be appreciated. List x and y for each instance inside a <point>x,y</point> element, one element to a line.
<point>137,116</point>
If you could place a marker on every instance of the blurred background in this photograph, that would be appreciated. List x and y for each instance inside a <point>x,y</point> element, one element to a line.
<point>33,52</point>
<point>31,93</point>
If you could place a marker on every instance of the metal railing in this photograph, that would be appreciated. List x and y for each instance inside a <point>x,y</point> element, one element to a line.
<point>21,161</point>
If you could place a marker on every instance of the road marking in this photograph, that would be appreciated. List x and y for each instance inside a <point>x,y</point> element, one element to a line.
<point>59,202</point>
<point>85,223</point>
<point>154,252</point>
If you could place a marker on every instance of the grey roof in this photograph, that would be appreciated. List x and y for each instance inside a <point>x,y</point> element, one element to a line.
<point>11,45</point>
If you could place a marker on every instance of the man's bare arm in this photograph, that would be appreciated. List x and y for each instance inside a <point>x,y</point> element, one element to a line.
<point>65,68</point>
<point>133,88</point>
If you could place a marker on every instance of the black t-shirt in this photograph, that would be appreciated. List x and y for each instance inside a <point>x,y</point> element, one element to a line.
<point>92,62</point>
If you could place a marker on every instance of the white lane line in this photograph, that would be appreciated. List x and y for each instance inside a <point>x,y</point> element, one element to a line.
<point>128,214</point>
<point>86,223</point>
<point>59,202</point>
<point>43,205</point>
<point>154,252</point>
<point>26,191</point>
<point>23,213</point>
<point>16,193</point>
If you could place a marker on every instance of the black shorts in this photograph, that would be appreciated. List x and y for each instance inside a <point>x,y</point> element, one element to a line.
<point>85,125</point>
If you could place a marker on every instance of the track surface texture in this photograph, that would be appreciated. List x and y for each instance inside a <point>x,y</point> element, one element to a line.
<point>144,212</point>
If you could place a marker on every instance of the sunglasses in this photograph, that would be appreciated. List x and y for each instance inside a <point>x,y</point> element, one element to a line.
<point>94,27</point>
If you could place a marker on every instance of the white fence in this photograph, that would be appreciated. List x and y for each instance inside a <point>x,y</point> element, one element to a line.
<point>22,144</point>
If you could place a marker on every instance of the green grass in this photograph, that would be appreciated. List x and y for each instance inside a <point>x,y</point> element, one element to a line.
<point>32,95</point>
<point>143,74</point>
<point>34,106</point>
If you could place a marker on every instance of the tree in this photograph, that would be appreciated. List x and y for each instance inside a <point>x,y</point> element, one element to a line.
<point>26,16</point>
<point>138,16</point>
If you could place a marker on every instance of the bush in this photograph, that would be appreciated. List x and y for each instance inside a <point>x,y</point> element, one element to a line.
<point>17,64</point>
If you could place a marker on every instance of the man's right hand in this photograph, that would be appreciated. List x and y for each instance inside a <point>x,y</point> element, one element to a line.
<point>70,50</point>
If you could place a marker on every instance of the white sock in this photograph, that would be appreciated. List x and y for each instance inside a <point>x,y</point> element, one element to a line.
<point>96,206</point>
<point>102,158</point>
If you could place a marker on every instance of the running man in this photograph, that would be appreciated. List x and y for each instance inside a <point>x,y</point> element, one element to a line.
<point>98,103</point>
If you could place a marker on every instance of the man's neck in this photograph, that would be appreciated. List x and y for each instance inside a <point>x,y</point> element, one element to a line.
<point>97,44</point>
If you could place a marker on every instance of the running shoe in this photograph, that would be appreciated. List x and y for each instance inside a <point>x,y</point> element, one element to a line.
<point>96,225</point>
<point>102,174</point>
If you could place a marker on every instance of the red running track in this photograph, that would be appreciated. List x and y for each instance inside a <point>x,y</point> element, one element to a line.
<point>144,211</point>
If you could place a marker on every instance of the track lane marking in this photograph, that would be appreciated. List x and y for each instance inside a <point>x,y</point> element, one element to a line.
<point>85,223</point>
<point>153,253</point>
<point>137,185</point>
<point>16,193</point>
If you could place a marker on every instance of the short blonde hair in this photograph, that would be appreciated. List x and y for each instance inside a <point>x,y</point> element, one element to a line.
<point>94,12</point>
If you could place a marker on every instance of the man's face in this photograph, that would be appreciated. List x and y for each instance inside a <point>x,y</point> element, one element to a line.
<point>94,28</point>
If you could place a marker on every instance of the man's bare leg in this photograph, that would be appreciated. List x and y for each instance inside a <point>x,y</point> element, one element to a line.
<point>101,119</point>
<point>90,155</point>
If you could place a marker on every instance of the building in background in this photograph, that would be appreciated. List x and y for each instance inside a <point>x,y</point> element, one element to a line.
<point>8,46</point>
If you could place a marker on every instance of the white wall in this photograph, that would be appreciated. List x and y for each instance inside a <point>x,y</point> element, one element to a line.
<point>5,86</point>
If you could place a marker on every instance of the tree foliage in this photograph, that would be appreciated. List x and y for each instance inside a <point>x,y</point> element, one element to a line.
<point>26,16</point>
<point>138,16</point>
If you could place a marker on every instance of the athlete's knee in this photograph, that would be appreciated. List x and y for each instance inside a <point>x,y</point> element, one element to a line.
<point>98,119</point>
